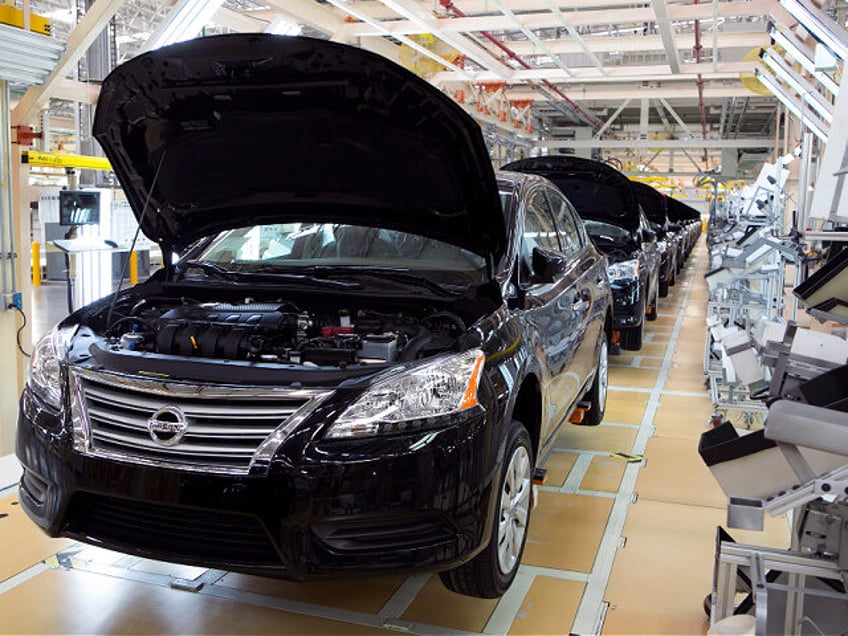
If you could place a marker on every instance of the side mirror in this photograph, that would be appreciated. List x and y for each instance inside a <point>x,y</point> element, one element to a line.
<point>648,235</point>
<point>546,266</point>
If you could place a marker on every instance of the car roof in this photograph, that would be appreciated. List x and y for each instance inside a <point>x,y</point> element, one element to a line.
<point>509,179</point>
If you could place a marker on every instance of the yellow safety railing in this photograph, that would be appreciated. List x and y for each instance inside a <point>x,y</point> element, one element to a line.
<point>36,264</point>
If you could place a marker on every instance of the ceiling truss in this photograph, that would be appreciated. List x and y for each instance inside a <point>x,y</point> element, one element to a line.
<point>616,67</point>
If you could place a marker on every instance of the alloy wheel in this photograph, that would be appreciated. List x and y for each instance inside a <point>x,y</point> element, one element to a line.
<point>515,508</point>
<point>603,373</point>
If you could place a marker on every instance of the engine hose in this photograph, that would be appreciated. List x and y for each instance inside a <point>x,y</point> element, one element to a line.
<point>415,345</point>
<point>455,319</point>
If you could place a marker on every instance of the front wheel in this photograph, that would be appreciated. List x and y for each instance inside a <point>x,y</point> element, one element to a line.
<point>631,337</point>
<point>490,573</point>
<point>598,393</point>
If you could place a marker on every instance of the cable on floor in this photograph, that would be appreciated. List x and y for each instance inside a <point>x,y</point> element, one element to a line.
<point>20,329</point>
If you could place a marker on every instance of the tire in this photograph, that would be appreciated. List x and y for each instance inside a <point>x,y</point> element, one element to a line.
<point>664,288</point>
<point>598,393</point>
<point>631,338</point>
<point>490,573</point>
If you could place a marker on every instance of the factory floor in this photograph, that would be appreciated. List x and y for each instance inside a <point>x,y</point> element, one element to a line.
<point>616,545</point>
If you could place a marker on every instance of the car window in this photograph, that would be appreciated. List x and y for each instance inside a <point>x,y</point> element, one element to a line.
<point>570,237</point>
<point>539,226</point>
<point>607,232</point>
<point>290,246</point>
<point>539,231</point>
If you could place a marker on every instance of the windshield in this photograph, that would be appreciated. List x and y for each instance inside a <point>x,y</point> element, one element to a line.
<point>298,247</point>
<point>607,232</point>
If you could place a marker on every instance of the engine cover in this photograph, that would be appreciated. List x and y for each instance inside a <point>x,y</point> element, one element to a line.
<point>233,332</point>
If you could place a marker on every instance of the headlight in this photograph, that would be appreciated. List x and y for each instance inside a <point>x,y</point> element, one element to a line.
<point>662,247</point>
<point>44,369</point>
<point>406,402</point>
<point>624,269</point>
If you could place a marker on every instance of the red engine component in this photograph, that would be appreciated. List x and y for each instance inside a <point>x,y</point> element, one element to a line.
<point>328,331</point>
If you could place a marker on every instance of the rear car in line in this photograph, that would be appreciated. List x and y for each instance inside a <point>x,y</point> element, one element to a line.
<point>606,201</point>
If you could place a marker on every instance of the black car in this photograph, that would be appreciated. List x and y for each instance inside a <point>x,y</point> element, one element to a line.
<point>669,241</point>
<point>360,346</point>
<point>606,201</point>
<point>687,217</point>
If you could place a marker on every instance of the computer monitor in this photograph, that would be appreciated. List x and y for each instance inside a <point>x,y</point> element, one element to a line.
<point>78,207</point>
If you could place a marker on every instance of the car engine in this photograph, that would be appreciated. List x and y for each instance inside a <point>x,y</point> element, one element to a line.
<point>280,332</point>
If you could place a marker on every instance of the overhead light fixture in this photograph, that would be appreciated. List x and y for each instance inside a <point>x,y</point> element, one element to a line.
<point>815,125</point>
<point>802,57</point>
<point>820,26</point>
<point>183,22</point>
<point>281,26</point>
<point>807,91</point>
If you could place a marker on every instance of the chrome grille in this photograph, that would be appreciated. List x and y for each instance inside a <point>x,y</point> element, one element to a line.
<point>228,427</point>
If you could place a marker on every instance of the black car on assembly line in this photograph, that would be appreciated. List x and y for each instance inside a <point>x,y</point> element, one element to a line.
<point>606,201</point>
<point>360,346</point>
<point>670,242</point>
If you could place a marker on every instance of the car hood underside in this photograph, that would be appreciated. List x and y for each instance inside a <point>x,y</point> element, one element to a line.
<point>237,130</point>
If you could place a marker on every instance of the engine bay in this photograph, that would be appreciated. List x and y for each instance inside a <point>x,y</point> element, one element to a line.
<point>281,332</point>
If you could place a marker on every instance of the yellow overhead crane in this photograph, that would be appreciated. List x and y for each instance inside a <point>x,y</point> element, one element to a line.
<point>62,160</point>
<point>11,15</point>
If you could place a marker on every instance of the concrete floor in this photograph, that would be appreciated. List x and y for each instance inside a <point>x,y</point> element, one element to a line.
<point>614,547</point>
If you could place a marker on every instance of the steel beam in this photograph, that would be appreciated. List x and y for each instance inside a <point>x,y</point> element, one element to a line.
<point>666,34</point>
<point>534,39</point>
<point>587,15</point>
<point>86,31</point>
<point>677,117</point>
<point>612,118</point>
<point>639,43</point>
<point>572,31</point>
<point>240,21</point>
<point>726,71</point>
<point>354,11</point>
<point>428,24</point>
<point>311,14</point>
<point>692,161</point>
<point>683,144</point>
<point>661,113</point>
<point>615,94</point>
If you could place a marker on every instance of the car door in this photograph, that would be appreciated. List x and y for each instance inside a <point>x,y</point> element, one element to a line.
<point>652,256</point>
<point>590,282</point>
<point>552,307</point>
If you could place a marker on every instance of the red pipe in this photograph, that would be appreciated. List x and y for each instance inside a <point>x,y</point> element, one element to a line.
<point>700,84</point>
<point>450,6</point>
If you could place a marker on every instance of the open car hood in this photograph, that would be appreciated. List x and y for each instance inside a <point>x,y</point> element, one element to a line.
<point>654,203</point>
<point>254,128</point>
<point>681,212</point>
<point>596,190</point>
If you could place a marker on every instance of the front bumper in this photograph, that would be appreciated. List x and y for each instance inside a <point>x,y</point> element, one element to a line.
<point>628,308</point>
<point>338,508</point>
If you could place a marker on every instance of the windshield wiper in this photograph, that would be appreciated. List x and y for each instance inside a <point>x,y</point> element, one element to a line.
<point>207,268</point>
<point>266,274</point>
<point>396,274</point>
